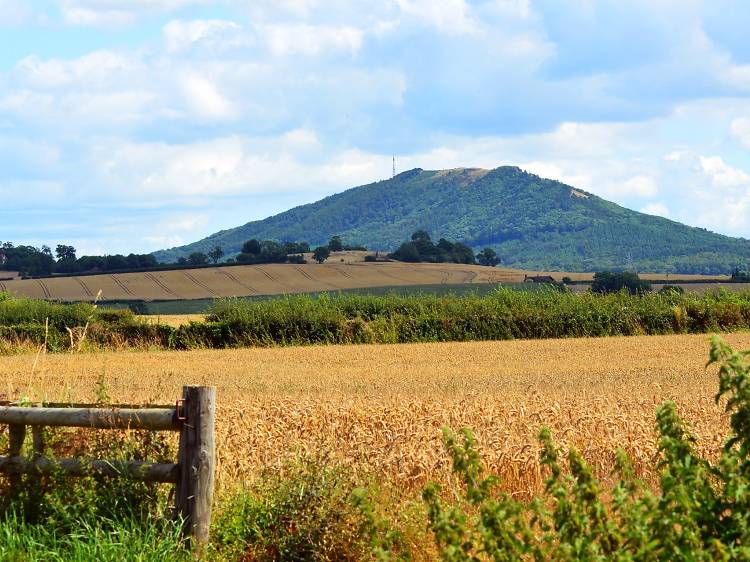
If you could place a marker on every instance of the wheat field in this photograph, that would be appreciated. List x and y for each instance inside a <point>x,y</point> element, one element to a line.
<point>380,408</point>
<point>342,271</point>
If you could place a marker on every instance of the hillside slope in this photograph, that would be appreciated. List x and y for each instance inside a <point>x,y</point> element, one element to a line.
<point>533,223</point>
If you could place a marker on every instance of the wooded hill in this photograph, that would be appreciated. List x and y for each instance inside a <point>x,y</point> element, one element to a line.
<point>532,223</point>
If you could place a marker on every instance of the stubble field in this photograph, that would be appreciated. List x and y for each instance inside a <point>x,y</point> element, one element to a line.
<point>380,408</point>
<point>345,270</point>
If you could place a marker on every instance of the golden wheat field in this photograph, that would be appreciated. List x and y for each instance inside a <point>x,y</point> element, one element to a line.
<point>380,408</point>
<point>345,270</point>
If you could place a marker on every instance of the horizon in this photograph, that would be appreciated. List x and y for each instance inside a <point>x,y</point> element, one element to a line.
<point>137,127</point>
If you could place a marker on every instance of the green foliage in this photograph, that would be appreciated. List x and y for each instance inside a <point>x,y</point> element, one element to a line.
<point>700,511</point>
<point>422,249</point>
<point>302,511</point>
<point>216,254</point>
<point>502,313</point>
<point>533,223</point>
<point>321,254</point>
<point>270,251</point>
<point>55,517</point>
<point>197,258</point>
<point>609,282</point>
<point>671,290</point>
<point>740,276</point>
<point>334,244</point>
<point>104,541</point>
<point>488,257</point>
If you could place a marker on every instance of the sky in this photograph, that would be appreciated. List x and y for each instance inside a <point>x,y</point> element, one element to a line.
<point>135,125</point>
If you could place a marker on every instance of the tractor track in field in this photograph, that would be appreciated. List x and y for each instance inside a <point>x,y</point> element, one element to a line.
<point>85,287</point>
<point>3,287</point>
<point>274,279</point>
<point>162,285</point>
<point>120,283</point>
<point>240,283</point>
<point>45,290</point>
<point>311,278</point>
<point>200,284</point>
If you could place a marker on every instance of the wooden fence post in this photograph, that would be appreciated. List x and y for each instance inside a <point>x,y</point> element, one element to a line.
<point>16,437</point>
<point>195,487</point>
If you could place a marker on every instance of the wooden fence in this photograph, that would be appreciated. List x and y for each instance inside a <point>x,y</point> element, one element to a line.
<point>193,473</point>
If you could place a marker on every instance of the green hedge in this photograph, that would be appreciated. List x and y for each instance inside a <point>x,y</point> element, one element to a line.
<point>329,319</point>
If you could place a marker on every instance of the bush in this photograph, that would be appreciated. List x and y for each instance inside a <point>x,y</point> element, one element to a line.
<point>608,282</point>
<point>671,289</point>
<point>302,511</point>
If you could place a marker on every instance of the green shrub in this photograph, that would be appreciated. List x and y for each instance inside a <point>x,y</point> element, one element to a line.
<point>302,511</point>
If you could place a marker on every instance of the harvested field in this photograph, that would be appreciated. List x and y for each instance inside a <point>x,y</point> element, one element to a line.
<point>253,280</point>
<point>274,279</point>
<point>381,407</point>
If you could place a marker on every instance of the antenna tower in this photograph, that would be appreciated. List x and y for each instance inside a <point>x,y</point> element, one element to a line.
<point>394,167</point>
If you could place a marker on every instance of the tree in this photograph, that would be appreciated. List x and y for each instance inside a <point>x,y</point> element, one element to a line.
<point>197,258</point>
<point>488,257</point>
<point>251,247</point>
<point>63,252</point>
<point>216,254</point>
<point>321,254</point>
<point>609,282</point>
<point>272,252</point>
<point>407,252</point>
<point>335,244</point>
<point>420,236</point>
<point>296,247</point>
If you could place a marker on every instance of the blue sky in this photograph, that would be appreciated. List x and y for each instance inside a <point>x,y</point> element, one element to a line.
<point>134,125</point>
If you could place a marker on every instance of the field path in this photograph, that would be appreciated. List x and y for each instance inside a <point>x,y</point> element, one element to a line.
<point>381,407</point>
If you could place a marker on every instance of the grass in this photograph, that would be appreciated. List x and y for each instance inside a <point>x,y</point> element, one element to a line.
<point>117,541</point>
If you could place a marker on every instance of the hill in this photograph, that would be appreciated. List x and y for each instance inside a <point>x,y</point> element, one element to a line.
<point>533,223</point>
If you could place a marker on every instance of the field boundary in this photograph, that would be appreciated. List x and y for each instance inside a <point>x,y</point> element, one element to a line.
<point>193,474</point>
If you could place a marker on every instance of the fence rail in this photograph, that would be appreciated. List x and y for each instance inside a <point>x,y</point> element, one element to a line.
<point>193,474</point>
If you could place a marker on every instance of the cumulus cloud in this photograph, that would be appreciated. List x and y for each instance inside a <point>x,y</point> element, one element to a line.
<point>657,209</point>
<point>180,35</point>
<point>204,98</point>
<point>300,39</point>
<point>722,174</point>
<point>740,130</point>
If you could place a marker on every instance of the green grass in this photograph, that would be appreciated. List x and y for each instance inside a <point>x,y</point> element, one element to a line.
<point>109,541</point>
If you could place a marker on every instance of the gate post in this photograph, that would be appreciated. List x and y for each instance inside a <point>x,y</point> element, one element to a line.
<point>197,455</point>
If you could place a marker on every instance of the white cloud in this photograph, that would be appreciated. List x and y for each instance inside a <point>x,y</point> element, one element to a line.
<point>722,174</point>
<point>181,35</point>
<point>14,12</point>
<point>740,130</point>
<point>99,68</point>
<point>657,209</point>
<point>302,39</point>
<point>204,98</point>
<point>115,12</point>
<point>452,17</point>
<point>639,186</point>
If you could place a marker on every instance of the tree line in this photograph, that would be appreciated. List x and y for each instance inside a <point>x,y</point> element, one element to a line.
<point>421,248</point>
<point>30,260</point>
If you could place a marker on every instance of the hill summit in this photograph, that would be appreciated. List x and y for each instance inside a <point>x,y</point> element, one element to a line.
<point>532,223</point>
